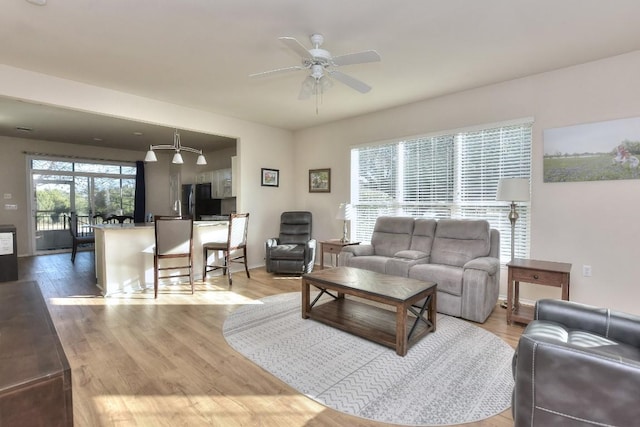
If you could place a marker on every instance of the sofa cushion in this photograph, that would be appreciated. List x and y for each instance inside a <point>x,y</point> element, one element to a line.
<point>448,278</point>
<point>372,263</point>
<point>459,241</point>
<point>400,266</point>
<point>288,252</point>
<point>551,331</point>
<point>392,234</point>
<point>424,231</point>
<point>295,227</point>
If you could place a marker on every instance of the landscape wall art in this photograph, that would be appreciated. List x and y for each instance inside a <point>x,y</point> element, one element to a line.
<point>593,152</point>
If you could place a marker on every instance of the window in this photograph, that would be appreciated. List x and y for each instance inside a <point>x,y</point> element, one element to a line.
<point>88,188</point>
<point>452,175</point>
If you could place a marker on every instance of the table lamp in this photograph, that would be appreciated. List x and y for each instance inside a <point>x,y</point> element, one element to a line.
<point>513,190</point>
<point>344,214</point>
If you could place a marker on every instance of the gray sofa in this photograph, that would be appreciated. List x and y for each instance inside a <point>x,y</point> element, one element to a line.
<point>461,256</point>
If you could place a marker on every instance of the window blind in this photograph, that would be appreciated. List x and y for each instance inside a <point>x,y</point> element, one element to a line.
<point>454,175</point>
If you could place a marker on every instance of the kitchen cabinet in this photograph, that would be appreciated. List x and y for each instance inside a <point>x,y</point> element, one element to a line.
<point>221,181</point>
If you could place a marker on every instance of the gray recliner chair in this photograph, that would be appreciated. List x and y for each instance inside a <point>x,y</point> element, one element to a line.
<point>294,251</point>
<point>577,365</point>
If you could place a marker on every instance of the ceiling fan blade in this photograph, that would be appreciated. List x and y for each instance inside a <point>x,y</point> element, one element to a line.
<point>296,46</point>
<point>352,82</point>
<point>277,71</point>
<point>356,58</point>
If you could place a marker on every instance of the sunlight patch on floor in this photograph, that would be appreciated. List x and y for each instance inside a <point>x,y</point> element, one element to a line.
<point>197,410</point>
<point>165,297</point>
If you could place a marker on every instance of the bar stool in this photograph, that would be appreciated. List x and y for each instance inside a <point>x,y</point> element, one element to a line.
<point>233,250</point>
<point>174,239</point>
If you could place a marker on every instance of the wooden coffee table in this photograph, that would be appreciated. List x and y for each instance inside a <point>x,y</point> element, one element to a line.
<point>367,320</point>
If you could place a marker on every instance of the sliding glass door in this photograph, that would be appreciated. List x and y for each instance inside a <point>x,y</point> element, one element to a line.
<point>53,196</point>
<point>93,191</point>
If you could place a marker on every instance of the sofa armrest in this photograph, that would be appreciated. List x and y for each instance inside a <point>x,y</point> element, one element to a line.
<point>310,254</point>
<point>412,255</point>
<point>490,265</point>
<point>358,250</point>
<point>618,326</point>
<point>274,241</point>
<point>557,383</point>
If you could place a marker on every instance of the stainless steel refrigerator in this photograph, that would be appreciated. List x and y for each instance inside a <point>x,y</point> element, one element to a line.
<point>197,201</point>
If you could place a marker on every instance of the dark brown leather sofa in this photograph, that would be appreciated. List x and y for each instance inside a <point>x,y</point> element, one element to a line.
<point>577,365</point>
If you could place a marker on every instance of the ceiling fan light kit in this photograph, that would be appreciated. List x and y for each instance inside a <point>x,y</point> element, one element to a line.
<point>177,147</point>
<point>321,65</point>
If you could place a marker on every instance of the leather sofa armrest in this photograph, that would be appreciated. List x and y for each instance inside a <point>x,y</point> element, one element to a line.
<point>272,242</point>
<point>359,250</point>
<point>312,244</point>
<point>310,254</point>
<point>490,265</point>
<point>557,383</point>
<point>618,326</point>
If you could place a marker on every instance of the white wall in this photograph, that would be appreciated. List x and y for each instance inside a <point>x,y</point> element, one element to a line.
<point>593,223</point>
<point>258,146</point>
<point>590,223</point>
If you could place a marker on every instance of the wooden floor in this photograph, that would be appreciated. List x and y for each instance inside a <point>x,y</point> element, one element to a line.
<point>137,361</point>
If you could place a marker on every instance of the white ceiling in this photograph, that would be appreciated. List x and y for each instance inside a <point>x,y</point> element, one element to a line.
<point>199,53</point>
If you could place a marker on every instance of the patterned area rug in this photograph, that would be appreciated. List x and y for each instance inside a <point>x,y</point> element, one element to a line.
<point>458,374</point>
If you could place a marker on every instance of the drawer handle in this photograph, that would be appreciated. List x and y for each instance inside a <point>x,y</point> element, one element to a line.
<point>535,276</point>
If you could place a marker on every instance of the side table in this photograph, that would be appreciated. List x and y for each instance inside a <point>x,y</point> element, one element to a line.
<point>333,247</point>
<point>537,272</point>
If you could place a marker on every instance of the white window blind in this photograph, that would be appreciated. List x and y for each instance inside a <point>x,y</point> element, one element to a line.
<point>454,175</point>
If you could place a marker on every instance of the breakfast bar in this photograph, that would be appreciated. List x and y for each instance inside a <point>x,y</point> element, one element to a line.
<point>124,253</point>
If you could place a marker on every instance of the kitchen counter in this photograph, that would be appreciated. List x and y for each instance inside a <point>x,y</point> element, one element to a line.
<point>124,253</point>
<point>151,225</point>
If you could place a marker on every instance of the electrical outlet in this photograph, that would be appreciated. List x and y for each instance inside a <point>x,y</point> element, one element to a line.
<point>586,270</point>
<point>11,207</point>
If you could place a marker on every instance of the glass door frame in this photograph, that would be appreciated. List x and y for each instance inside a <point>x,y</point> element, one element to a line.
<point>90,176</point>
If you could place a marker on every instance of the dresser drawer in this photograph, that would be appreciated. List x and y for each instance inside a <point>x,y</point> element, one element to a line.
<point>332,249</point>
<point>549,278</point>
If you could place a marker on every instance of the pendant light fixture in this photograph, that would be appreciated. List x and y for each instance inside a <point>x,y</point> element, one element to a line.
<point>177,147</point>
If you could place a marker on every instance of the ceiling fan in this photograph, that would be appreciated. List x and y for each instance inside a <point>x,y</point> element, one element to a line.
<point>322,65</point>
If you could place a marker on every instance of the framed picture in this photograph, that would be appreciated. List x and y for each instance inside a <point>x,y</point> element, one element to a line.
<point>597,151</point>
<point>319,180</point>
<point>270,177</point>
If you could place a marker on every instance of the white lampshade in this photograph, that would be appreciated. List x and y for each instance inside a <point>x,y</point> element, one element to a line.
<point>344,212</point>
<point>513,190</point>
<point>150,157</point>
<point>201,160</point>
<point>177,158</point>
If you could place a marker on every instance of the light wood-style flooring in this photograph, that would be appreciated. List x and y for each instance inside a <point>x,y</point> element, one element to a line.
<point>137,361</point>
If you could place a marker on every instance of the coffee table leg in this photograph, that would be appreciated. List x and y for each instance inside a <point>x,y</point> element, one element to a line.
<point>432,314</point>
<point>401,330</point>
<point>306,306</point>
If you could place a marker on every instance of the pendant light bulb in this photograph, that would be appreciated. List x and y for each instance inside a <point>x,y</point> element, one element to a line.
<point>177,158</point>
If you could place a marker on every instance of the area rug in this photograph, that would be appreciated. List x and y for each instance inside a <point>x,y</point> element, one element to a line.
<point>458,374</point>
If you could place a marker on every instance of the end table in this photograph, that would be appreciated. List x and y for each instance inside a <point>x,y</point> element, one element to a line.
<point>537,272</point>
<point>333,247</point>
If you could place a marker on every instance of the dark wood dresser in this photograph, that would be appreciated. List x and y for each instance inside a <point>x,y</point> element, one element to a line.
<point>35,377</point>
